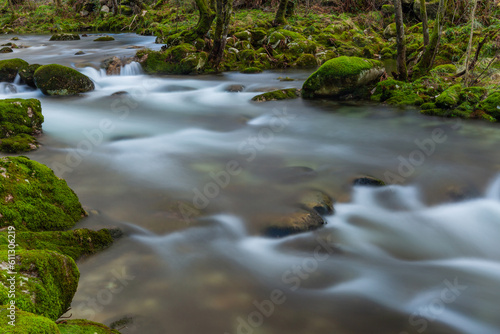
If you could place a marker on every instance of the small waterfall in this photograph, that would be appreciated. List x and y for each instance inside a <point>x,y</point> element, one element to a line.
<point>17,80</point>
<point>93,74</point>
<point>134,68</point>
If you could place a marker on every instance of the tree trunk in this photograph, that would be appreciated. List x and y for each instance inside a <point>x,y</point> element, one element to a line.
<point>400,41</point>
<point>469,47</point>
<point>279,19</point>
<point>224,9</point>
<point>206,17</point>
<point>429,54</point>
<point>115,7</point>
<point>425,23</point>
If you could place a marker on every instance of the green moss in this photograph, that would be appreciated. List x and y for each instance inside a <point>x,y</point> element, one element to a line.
<point>26,323</point>
<point>180,59</point>
<point>428,105</point>
<point>27,74</point>
<point>472,95</point>
<point>6,49</point>
<point>19,143</point>
<point>450,97</point>
<point>491,105</point>
<point>388,53</point>
<point>306,61</point>
<point>388,9</point>
<point>75,244</point>
<point>18,116</point>
<point>243,35</point>
<point>65,37</point>
<point>444,69</point>
<point>387,89</point>
<point>104,39</point>
<point>49,282</point>
<point>81,326</point>
<point>61,80</point>
<point>251,70</point>
<point>9,68</point>
<point>340,76</point>
<point>301,47</point>
<point>280,94</point>
<point>33,198</point>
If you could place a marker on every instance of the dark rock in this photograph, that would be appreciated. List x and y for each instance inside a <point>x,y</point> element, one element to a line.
<point>368,181</point>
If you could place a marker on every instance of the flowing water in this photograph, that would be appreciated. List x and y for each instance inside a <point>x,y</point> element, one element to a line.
<point>189,169</point>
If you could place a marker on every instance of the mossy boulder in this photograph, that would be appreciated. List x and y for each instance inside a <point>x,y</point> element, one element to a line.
<point>180,59</point>
<point>49,281</point>
<point>251,70</point>
<point>306,61</point>
<point>449,98</point>
<point>301,47</point>
<point>275,95</point>
<point>343,77</point>
<point>9,68</point>
<point>81,326</point>
<point>75,243</point>
<point>445,69</point>
<point>26,322</point>
<point>491,105</point>
<point>6,49</point>
<point>33,198</point>
<point>27,74</point>
<point>390,31</point>
<point>244,35</point>
<point>20,120</point>
<point>258,37</point>
<point>64,37</point>
<point>61,80</point>
<point>388,9</point>
<point>472,95</point>
<point>396,92</point>
<point>104,39</point>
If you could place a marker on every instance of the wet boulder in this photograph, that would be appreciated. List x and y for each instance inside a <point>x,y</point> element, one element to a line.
<point>282,225</point>
<point>61,80</point>
<point>9,69</point>
<point>316,200</point>
<point>368,181</point>
<point>342,78</point>
<point>6,49</point>
<point>64,37</point>
<point>275,95</point>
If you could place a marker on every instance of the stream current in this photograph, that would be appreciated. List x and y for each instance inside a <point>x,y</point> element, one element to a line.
<point>188,169</point>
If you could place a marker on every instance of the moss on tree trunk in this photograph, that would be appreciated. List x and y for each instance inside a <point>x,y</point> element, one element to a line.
<point>280,19</point>
<point>400,40</point>
<point>224,9</point>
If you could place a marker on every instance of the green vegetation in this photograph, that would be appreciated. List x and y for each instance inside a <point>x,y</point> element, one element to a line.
<point>20,120</point>
<point>61,80</point>
<point>9,68</point>
<point>80,326</point>
<point>27,322</point>
<point>33,198</point>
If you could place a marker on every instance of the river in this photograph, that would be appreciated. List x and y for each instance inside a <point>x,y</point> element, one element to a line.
<point>188,169</point>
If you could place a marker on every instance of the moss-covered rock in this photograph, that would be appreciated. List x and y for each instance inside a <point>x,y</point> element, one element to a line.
<point>445,69</point>
<point>104,39</point>
<point>280,94</point>
<point>6,49</point>
<point>33,198</point>
<point>388,9</point>
<point>49,282</point>
<point>251,70</point>
<point>306,61</point>
<point>258,37</point>
<point>81,326</point>
<point>75,243</point>
<point>20,120</point>
<point>27,74</point>
<point>472,95</point>
<point>396,92</point>
<point>9,68</point>
<point>65,37</point>
<point>491,105</point>
<point>26,323</point>
<point>341,77</point>
<point>61,80</point>
<point>449,98</point>
<point>390,31</point>
<point>180,59</point>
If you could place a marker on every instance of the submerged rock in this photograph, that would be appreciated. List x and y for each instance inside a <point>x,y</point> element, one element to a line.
<point>32,198</point>
<point>343,77</point>
<point>280,94</point>
<point>64,37</point>
<point>318,201</point>
<point>278,226</point>
<point>9,68</point>
<point>61,80</point>
<point>104,39</point>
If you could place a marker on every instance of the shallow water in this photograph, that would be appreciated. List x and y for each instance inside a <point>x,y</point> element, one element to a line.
<point>419,256</point>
